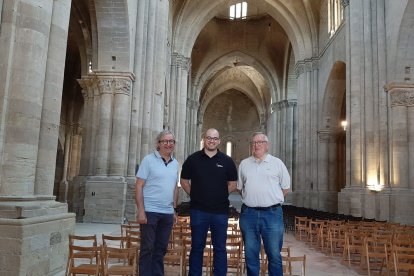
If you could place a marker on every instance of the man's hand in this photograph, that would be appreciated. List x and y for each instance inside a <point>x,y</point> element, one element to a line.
<point>142,217</point>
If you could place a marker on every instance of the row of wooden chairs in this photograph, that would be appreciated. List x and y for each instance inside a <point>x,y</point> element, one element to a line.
<point>91,259</point>
<point>370,244</point>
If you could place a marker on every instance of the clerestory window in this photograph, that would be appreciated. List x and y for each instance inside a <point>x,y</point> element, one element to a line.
<point>335,16</point>
<point>238,11</point>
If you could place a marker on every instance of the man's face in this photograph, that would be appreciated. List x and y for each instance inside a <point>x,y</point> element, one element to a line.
<point>259,146</point>
<point>211,140</point>
<point>166,144</point>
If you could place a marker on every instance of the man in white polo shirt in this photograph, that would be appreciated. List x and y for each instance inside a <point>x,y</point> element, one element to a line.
<point>264,182</point>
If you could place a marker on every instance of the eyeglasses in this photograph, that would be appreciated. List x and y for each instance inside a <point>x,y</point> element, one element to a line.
<point>259,143</point>
<point>215,139</point>
<point>166,142</point>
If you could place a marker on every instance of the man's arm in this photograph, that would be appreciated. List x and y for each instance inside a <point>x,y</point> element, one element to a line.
<point>232,186</point>
<point>285,192</point>
<point>185,184</point>
<point>139,199</point>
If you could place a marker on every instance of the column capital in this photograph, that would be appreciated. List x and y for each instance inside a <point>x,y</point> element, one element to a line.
<point>180,61</point>
<point>344,3</point>
<point>192,104</point>
<point>401,93</point>
<point>277,106</point>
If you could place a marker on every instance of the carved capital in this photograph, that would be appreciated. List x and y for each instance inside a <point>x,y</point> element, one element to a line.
<point>401,94</point>
<point>122,86</point>
<point>104,85</point>
<point>180,61</point>
<point>344,3</point>
<point>192,104</point>
<point>86,85</point>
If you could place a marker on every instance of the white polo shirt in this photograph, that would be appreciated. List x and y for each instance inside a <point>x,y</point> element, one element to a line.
<point>261,183</point>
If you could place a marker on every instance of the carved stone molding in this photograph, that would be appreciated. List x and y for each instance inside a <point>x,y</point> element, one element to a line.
<point>344,3</point>
<point>401,94</point>
<point>306,65</point>
<point>104,86</point>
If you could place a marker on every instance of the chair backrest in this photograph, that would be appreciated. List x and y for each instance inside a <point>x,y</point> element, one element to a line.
<point>114,241</point>
<point>83,240</point>
<point>119,261</point>
<point>83,260</point>
<point>290,269</point>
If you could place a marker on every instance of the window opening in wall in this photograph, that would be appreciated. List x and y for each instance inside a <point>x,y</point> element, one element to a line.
<point>238,11</point>
<point>229,148</point>
<point>335,16</point>
<point>90,66</point>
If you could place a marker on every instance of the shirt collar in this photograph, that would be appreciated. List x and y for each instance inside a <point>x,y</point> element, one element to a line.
<point>158,155</point>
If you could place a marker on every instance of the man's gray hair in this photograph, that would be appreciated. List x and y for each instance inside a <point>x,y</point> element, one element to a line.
<point>162,134</point>
<point>259,133</point>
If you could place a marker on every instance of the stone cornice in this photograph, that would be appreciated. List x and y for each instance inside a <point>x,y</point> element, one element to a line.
<point>306,65</point>
<point>401,94</point>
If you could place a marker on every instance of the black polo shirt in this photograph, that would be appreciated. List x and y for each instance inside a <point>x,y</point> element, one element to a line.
<point>209,176</point>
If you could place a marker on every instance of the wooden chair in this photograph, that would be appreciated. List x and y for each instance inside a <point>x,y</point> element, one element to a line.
<point>119,261</point>
<point>83,260</point>
<point>234,256</point>
<point>174,258</point>
<point>403,260</point>
<point>85,241</point>
<point>289,268</point>
<point>375,253</point>
<point>301,227</point>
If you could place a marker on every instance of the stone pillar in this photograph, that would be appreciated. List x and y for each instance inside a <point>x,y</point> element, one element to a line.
<point>178,101</point>
<point>401,96</point>
<point>33,226</point>
<point>305,178</point>
<point>120,125</point>
<point>74,158</point>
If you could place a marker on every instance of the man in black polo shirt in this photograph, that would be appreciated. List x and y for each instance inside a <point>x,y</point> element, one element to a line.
<point>209,176</point>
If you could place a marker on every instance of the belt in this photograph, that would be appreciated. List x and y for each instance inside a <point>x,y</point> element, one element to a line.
<point>264,208</point>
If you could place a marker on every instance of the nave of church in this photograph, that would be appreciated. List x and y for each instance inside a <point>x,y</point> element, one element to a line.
<point>85,86</point>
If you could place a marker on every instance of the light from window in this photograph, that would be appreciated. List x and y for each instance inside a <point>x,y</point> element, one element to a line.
<point>228,148</point>
<point>335,16</point>
<point>90,66</point>
<point>238,10</point>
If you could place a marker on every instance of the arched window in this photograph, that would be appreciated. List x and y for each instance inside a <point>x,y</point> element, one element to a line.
<point>229,147</point>
<point>238,11</point>
<point>335,16</point>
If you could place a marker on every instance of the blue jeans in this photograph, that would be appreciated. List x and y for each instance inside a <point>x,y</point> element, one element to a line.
<point>200,223</point>
<point>154,241</point>
<point>267,225</point>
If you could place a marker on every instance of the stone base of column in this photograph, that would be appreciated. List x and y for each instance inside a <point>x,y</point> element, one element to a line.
<point>300,198</point>
<point>350,202</point>
<point>130,206</point>
<point>327,201</point>
<point>34,237</point>
<point>105,199</point>
<point>401,206</point>
<point>372,204</point>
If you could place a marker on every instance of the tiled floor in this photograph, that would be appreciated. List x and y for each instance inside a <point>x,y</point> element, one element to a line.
<point>317,263</point>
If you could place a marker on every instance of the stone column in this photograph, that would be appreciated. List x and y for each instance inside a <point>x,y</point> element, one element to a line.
<point>76,144</point>
<point>120,123</point>
<point>178,103</point>
<point>33,226</point>
<point>306,70</point>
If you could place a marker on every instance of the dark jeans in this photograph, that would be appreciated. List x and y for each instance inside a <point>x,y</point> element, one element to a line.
<point>200,223</point>
<point>267,225</point>
<point>154,241</point>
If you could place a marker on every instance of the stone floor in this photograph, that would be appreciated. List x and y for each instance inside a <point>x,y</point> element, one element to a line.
<point>317,263</point>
